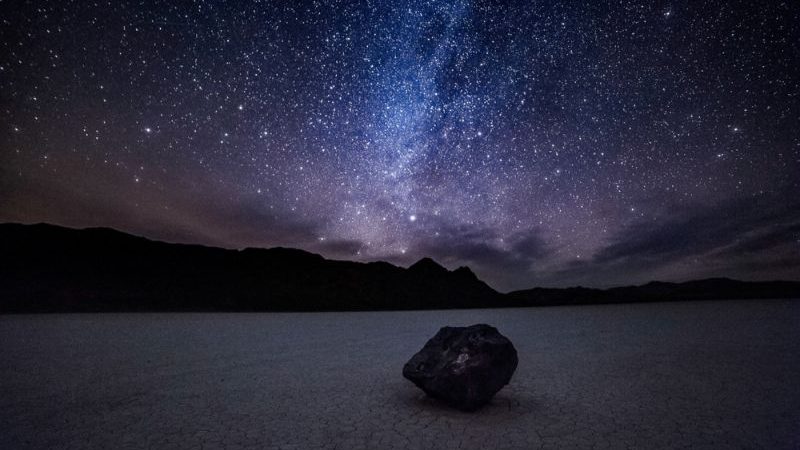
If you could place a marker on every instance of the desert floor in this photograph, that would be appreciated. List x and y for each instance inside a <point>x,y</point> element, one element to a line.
<point>677,375</point>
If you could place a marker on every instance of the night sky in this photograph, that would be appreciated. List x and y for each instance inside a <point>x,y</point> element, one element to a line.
<point>539,143</point>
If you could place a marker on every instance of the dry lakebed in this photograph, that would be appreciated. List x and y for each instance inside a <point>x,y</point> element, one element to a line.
<point>715,374</point>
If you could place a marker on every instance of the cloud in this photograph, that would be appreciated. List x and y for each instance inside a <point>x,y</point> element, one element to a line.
<point>338,248</point>
<point>767,238</point>
<point>501,261</point>
<point>753,237</point>
<point>748,238</point>
<point>698,231</point>
<point>484,246</point>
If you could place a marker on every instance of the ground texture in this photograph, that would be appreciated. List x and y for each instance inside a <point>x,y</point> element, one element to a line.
<point>680,375</point>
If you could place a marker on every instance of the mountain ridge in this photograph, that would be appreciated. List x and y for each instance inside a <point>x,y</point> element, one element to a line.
<point>49,268</point>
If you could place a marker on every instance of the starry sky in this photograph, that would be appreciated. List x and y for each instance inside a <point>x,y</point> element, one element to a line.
<point>541,143</point>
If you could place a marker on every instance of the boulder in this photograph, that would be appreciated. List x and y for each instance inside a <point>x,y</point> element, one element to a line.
<point>463,366</point>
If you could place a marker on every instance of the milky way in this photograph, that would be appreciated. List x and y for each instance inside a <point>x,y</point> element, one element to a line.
<point>540,143</point>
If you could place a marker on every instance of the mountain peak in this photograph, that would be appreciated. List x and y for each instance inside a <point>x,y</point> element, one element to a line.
<point>465,272</point>
<point>427,265</point>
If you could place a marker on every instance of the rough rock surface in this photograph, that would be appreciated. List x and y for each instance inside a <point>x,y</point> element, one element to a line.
<point>463,366</point>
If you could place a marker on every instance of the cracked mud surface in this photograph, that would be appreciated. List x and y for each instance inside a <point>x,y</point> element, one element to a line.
<point>681,375</point>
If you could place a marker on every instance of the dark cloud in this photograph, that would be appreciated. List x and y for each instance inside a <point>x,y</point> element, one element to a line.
<point>693,232</point>
<point>531,245</point>
<point>757,237</point>
<point>485,247</point>
<point>504,261</point>
<point>766,239</point>
<point>338,248</point>
<point>750,238</point>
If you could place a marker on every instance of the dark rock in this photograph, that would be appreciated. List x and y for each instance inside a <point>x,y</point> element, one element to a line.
<point>463,366</point>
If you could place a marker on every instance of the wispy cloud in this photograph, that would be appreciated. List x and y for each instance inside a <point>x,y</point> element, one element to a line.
<point>755,237</point>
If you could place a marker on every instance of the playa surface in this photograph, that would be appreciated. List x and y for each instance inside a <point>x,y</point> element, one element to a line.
<point>673,375</point>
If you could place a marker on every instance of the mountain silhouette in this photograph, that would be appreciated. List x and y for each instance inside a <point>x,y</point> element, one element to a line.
<point>48,268</point>
<point>51,268</point>
<point>657,291</point>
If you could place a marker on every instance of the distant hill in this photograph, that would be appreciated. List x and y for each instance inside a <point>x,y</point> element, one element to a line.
<point>47,268</point>
<point>657,291</point>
